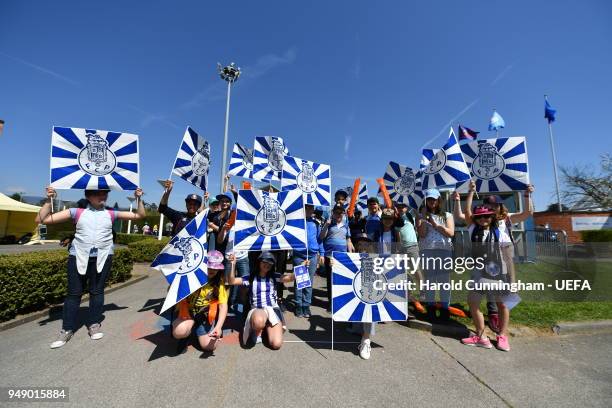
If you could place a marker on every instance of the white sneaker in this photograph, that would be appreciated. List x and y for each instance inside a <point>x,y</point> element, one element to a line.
<point>95,331</point>
<point>364,349</point>
<point>62,339</point>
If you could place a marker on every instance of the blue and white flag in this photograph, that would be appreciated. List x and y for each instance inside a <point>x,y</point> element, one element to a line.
<point>268,155</point>
<point>89,159</point>
<point>362,197</point>
<point>442,167</point>
<point>360,294</point>
<point>403,185</point>
<point>193,160</point>
<point>496,122</point>
<point>184,261</point>
<point>313,179</point>
<point>241,162</point>
<point>270,221</point>
<point>497,164</point>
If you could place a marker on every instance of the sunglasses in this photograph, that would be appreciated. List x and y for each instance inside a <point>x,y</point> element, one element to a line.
<point>477,217</point>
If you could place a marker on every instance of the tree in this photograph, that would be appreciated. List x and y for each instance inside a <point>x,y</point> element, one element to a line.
<point>555,207</point>
<point>587,187</point>
<point>16,196</point>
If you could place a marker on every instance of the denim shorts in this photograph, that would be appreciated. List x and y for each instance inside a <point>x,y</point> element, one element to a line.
<point>204,328</point>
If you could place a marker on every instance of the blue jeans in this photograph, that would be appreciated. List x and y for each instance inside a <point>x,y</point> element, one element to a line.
<point>242,270</point>
<point>435,273</point>
<point>76,283</point>
<point>303,297</point>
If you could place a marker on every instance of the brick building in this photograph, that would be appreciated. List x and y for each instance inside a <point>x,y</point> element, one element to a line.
<point>572,222</point>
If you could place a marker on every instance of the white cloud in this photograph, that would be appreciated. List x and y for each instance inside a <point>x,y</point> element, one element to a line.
<point>450,122</point>
<point>41,69</point>
<point>268,62</point>
<point>347,145</point>
<point>501,75</point>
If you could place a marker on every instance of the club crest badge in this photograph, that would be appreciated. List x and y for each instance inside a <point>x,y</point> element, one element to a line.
<point>363,284</point>
<point>404,185</point>
<point>271,218</point>
<point>306,179</point>
<point>193,254</point>
<point>201,160</point>
<point>436,164</point>
<point>247,158</point>
<point>96,158</point>
<point>488,164</point>
<point>275,158</point>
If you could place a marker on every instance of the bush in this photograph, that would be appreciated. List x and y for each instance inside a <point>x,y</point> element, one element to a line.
<point>31,281</point>
<point>147,249</point>
<point>125,239</point>
<point>596,236</point>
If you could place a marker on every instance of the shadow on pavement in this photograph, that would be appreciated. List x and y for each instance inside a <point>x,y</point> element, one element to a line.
<point>55,313</point>
<point>152,304</point>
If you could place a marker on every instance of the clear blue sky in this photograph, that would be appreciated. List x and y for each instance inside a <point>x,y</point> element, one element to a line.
<point>350,83</point>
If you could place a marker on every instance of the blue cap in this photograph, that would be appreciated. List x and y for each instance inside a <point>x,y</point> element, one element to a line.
<point>432,193</point>
<point>227,195</point>
<point>194,197</point>
<point>267,257</point>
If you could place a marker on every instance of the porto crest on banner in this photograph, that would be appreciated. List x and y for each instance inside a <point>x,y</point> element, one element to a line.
<point>313,179</point>
<point>89,159</point>
<point>403,185</point>
<point>183,261</point>
<point>241,162</point>
<point>270,221</point>
<point>193,159</point>
<point>268,156</point>
<point>497,165</point>
<point>443,167</point>
<point>362,295</point>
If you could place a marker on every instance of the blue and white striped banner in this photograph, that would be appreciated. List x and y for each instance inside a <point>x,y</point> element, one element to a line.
<point>362,197</point>
<point>313,179</point>
<point>241,162</point>
<point>270,221</point>
<point>89,159</point>
<point>268,155</point>
<point>443,167</point>
<point>193,159</point>
<point>184,261</point>
<point>497,165</point>
<point>403,185</point>
<point>361,295</point>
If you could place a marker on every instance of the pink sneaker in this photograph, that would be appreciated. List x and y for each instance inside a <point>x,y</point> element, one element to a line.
<point>502,343</point>
<point>477,341</point>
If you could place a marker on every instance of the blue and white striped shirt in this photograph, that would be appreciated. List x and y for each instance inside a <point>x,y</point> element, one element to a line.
<point>263,291</point>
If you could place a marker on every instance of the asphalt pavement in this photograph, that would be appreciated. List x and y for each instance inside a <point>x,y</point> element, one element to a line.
<point>136,365</point>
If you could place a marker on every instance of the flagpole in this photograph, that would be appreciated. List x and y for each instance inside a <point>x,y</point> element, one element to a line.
<point>554,157</point>
<point>230,74</point>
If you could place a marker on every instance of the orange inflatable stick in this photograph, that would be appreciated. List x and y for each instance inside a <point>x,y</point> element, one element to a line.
<point>183,312</point>
<point>354,198</point>
<point>232,219</point>
<point>385,193</point>
<point>246,185</point>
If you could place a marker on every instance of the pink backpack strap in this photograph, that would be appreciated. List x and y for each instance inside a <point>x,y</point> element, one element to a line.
<point>112,215</point>
<point>77,214</point>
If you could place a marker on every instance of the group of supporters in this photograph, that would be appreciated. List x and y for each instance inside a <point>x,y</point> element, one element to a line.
<point>251,284</point>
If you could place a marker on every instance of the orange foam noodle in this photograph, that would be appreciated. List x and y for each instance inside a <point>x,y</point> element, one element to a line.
<point>232,219</point>
<point>246,185</point>
<point>183,307</point>
<point>354,198</point>
<point>385,193</point>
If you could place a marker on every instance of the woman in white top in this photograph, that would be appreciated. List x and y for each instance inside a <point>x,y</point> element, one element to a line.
<point>90,258</point>
<point>436,229</point>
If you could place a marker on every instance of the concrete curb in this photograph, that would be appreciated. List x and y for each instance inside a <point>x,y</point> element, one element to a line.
<point>22,319</point>
<point>562,328</point>
<point>459,331</point>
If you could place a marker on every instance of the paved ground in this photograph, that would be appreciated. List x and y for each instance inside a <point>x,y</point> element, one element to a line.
<point>136,364</point>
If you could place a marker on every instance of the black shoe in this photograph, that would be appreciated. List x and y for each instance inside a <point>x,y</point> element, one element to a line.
<point>306,311</point>
<point>299,311</point>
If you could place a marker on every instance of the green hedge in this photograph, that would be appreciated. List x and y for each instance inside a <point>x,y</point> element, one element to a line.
<point>147,249</point>
<point>596,236</point>
<point>32,281</point>
<point>125,239</point>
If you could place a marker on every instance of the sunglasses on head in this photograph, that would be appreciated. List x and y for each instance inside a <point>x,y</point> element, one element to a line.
<point>477,217</point>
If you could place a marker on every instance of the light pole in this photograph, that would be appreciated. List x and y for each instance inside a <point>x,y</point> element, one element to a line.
<point>131,199</point>
<point>229,73</point>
